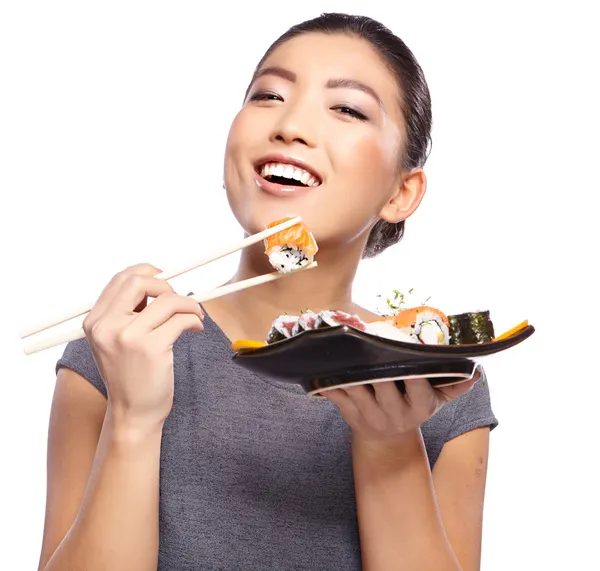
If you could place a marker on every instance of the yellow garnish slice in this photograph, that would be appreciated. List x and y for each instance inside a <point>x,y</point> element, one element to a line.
<point>242,344</point>
<point>512,331</point>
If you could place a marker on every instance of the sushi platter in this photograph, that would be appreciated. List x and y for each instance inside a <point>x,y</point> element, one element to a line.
<point>332,349</point>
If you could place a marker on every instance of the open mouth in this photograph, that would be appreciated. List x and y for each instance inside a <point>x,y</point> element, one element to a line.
<point>287,175</point>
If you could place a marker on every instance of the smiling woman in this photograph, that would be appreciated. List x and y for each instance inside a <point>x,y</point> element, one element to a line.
<point>350,97</point>
<point>165,455</point>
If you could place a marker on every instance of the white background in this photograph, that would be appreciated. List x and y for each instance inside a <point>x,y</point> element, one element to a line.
<point>113,118</point>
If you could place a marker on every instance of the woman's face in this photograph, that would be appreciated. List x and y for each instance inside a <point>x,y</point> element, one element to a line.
<point>323,109</point>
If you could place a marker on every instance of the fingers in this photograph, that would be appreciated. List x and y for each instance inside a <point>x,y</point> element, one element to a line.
<point>369,401</point>
<point>364,399</point>
<point>368,411</point>
<point>133,291</point>
<point>389,397</point>
<point>111,290</point>
<point>170,331</point>
<point>340,398</point>
<point>162,310</point>
<point>421,396</point>
<point>418,390</point>
<point>454,391</point>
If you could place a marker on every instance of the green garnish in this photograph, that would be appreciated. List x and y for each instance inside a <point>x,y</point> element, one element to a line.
<point>397,301</point>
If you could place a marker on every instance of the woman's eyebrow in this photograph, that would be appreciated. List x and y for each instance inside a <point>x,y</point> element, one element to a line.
<point>347,83</point>
<point>337,83</point>
<point>277,71</point>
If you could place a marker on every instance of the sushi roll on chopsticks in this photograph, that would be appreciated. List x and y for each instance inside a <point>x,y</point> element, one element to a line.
<point>291,249</point>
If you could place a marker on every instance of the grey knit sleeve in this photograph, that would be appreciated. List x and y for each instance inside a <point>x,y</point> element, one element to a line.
<point>473,410</point>
<point>77,356</point>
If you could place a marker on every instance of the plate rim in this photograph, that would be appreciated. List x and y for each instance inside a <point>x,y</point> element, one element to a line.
<point>316,393</point>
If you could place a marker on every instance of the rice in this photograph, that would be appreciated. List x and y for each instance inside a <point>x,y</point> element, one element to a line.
<point>289,258</point>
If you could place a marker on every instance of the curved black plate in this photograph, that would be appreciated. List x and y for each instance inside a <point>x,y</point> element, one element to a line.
<point>335,356</point>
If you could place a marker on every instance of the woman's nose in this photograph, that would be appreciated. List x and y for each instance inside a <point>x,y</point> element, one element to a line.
<point>295,127</point>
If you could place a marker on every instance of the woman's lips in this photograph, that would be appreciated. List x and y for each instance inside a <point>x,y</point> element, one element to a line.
<point>280,190</point>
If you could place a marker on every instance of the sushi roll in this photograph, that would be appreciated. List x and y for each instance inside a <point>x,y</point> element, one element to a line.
<point>307,320</point>
<point>282,328</point>
<point>471,328</point>
<point>335,318</point>
<point>291,249</point>
<point>424,324</point>
<point>386,328</point>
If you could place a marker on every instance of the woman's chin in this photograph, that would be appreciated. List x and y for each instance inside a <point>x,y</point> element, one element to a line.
<point>256,220</point>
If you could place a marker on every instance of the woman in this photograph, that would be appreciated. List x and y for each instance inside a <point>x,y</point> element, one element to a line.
<point>163,454</point>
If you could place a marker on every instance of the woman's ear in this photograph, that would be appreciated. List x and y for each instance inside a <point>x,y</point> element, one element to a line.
<point>406,199</point>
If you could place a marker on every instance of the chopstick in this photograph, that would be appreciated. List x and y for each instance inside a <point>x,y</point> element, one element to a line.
<point>249,241</point>
<point>78,333</point>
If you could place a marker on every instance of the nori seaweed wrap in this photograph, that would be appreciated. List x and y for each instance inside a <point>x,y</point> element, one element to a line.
<point>471,328</point>
<point>282,328</point>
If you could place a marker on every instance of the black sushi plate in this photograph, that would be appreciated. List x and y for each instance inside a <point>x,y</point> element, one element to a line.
<point>323,359</point>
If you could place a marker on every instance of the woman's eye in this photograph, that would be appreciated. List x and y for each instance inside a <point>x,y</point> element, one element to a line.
<point>265,96</point>
<point>345,110</point>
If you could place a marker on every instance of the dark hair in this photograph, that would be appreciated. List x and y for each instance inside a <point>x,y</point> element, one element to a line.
<point>415,99</point>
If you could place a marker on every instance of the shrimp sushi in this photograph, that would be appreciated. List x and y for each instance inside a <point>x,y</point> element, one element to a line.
<point>424,324</point>
<point>291,249</point>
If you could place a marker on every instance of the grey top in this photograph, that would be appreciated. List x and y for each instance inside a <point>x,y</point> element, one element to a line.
<point>255,474</point>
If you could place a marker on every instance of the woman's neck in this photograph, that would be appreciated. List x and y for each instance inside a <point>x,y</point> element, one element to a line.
<point>249,313</point>
<point>329,285</point>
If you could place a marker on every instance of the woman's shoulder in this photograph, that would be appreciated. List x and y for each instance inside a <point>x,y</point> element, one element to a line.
<point>473,409</point>
<point>467,412</point>
<point>77,356</point>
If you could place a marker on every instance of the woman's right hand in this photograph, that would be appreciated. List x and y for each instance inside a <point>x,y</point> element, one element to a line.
<point>133,349</point>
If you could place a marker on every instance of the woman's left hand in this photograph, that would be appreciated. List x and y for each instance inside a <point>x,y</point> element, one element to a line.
<point>380,412</point>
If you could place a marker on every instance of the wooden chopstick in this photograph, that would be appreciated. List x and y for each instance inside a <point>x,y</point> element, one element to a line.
<point>78,333</point>
<point>249,241</point>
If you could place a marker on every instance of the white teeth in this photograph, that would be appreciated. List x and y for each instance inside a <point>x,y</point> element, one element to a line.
<point>290,172</point>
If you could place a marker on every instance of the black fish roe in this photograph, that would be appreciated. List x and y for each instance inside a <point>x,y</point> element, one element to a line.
<point>291,252</point>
